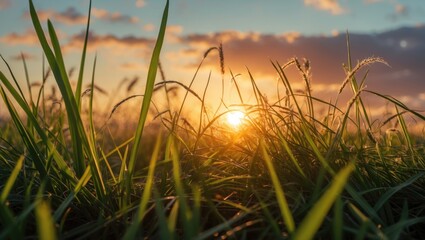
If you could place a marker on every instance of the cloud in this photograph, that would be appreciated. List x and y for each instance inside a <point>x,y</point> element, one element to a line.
<point>149,27</point>
<point>29,37</point>
<point>140,3</point>
<point>4,4</point>
<point>70,16</point>
<point>113,17</point>
<point>126,43</point>
<point>174,29</point>
<point>403,49</point>
<point>332,6</point>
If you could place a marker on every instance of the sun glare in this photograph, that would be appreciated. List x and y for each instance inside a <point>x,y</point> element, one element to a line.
<point>235,118</point>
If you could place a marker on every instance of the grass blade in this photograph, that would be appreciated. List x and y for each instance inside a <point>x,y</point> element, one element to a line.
<point>82,62</point>
<point>11,180</point>
<point>317,214</point>
<point>390,192</point>
<point>150,82</point>
<point>146,195</point>
<point>280,195</point>
<point>45,225</point>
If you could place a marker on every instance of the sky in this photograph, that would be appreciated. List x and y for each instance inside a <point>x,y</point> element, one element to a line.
<point>252,33</point>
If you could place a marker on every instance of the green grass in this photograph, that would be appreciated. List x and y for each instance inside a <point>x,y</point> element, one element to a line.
<point>287,173</point>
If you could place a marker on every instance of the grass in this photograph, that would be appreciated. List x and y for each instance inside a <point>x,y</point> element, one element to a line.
<point>287,173</point>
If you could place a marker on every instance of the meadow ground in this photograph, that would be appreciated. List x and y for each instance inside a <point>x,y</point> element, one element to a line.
<point>275,170</point>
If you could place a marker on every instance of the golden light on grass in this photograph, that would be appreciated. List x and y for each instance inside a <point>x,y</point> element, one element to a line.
<point>235,118</point>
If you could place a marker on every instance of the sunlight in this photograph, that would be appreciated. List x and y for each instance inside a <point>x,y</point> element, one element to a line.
<point>235,118</point>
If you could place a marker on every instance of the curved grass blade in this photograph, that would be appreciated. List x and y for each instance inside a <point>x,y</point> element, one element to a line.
<point>388,194</point>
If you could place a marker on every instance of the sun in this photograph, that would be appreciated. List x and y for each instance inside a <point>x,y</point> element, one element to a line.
<point>235,118</point>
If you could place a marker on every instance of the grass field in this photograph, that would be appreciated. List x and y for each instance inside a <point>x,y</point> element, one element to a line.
<point>281,171</point>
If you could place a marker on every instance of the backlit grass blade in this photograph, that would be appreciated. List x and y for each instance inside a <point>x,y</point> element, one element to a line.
<point>59,71</point>
<point>26,136</point>
<point>14,79</point>
<point>7,219</point>
<point>82,61</point>
<point>64,86</point>
<point>11,180</point>
<point>186,214</point>
<point>40,131</point>
<point>150,82</point>
<point>76,128</point>
<point>147,191</point>
<point>317,214</point>
<point>45,225</point>
<point>280,195</point>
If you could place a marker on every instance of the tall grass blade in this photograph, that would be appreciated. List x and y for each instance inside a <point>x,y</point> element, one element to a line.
<point>11,180</point>
<point>7,219</point>
<point>58,70</point>
<point>150,82</point>
<point>27,138</point>
<point>45,224</point>
<point>146,195</point>
<point>317,214</point>
<point>82,61</point>
<point>280,195</point>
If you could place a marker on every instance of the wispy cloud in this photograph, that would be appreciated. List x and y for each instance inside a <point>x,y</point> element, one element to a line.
<point>4,4</point>
<point>29,37</point>
<point>332,6</point>
<point>127,43</point>
<point>113,17</point>
<point>149,27</point>
<point>70,16</point>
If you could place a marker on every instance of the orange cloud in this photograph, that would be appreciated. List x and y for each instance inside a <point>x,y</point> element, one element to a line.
<point>332,6</point>
<point>149,27</point>
<point>113,17</point>
<point>29,37</point>
<point>174,29</point>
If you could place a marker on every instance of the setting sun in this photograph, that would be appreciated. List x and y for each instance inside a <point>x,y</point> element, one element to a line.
<point>235,118</point>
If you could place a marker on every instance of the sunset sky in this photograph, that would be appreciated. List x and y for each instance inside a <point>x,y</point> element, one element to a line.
<point>252,33</point>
